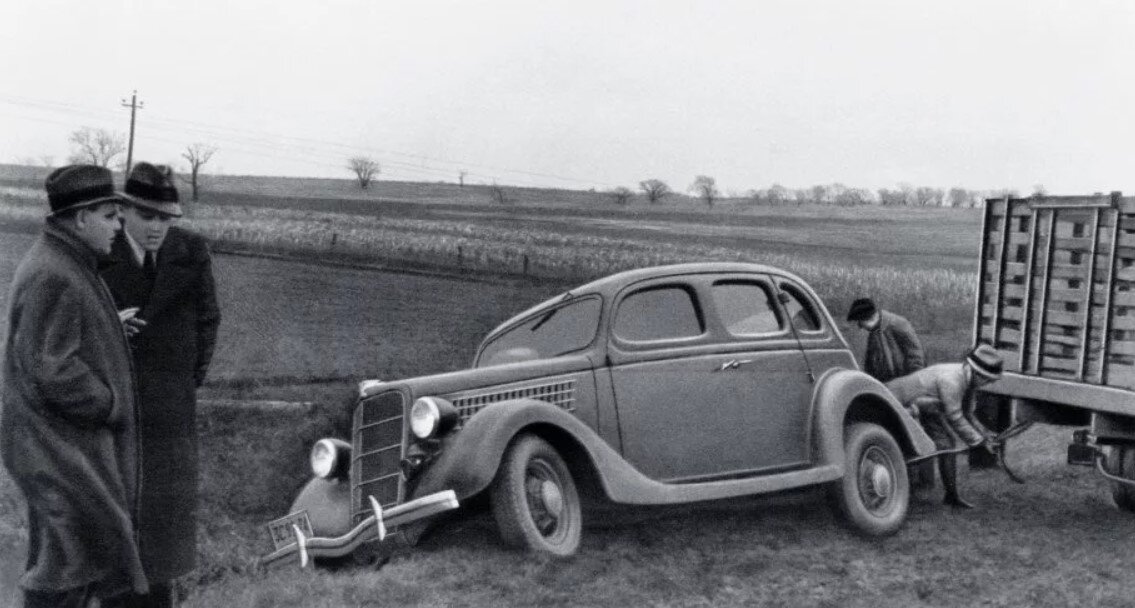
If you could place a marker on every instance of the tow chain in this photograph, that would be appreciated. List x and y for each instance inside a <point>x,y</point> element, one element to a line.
<point>996,446</point>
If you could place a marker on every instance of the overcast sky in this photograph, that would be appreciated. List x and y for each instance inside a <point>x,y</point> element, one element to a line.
<point>981,94</point>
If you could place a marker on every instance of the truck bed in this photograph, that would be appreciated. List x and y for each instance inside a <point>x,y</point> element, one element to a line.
<point>1056,297</point>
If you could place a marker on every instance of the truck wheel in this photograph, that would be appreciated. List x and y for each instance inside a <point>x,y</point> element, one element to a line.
<point>1121,462</point>
<point>874,494</point>
<point>534,499</point>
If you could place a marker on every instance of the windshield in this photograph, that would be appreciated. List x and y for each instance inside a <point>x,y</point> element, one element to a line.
<point>550,333</point>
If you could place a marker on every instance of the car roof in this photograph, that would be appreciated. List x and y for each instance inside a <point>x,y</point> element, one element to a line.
<point>609,285</point>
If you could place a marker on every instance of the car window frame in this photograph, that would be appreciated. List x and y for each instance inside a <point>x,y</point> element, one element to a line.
<point>770,288</point>
<point>806,299</point>
<point>683,283</point>
<point>478,363</point>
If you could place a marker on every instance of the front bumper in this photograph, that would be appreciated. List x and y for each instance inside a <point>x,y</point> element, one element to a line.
<point>373,528</point>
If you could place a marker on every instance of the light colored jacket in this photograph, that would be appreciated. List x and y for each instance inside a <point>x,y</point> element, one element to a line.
<point>945,383</point>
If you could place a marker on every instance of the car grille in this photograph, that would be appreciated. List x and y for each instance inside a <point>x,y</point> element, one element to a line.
<point>377,452</point>
<point>560,393</point>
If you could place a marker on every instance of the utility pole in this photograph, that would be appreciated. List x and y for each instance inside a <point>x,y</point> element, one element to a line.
<point>134,106</point>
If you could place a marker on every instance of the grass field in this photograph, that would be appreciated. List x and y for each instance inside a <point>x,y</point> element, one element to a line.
<point>305,332</point>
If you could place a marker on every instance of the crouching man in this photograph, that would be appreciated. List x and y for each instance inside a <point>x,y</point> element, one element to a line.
<point>941,396</point>
<point>67,428</point>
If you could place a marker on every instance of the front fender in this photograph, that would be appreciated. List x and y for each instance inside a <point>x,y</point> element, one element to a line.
<point>469,458</point>
<point>328,505</point>
<point>835,394</point>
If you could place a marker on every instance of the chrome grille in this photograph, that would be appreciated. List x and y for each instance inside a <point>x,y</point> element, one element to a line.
<point>377,452</point>
<point>560,393</point>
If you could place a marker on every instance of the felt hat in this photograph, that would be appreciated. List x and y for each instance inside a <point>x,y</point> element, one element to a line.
<point>151,187</point>
<point>77,186</point>
<point>986,361</point>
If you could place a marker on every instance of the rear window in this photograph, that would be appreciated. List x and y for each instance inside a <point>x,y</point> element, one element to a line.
<point>800,309</point>
<point>554,332</point>
<point>746,308</point>
<point>659,313</point>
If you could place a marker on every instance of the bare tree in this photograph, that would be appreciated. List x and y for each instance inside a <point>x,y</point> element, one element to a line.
<point>498,193</point>
<point>706,188</point>
<point>197,155</point>
<point>364,168</point>
<point>654,189</point>
<point>95,146</point>
<point>819,194</point>
<point>959,197</point>
<point>461,179</point>
<point>925,196</point>
<point>1039,190</point>
<point>622,195</point>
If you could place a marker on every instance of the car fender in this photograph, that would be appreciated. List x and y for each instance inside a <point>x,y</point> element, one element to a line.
<point>470,457</point>
<point>835,394</point>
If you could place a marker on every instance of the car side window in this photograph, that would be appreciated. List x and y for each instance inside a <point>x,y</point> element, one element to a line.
<point>746,308</point>
<point>800,309</point>
<point>554,332</point>
<point>659,313</point>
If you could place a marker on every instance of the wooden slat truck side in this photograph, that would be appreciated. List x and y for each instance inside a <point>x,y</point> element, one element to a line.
<point>1056,297</point>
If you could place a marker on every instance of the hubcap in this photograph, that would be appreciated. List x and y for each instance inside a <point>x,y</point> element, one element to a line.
<point>876,480</point>
<point>552,498</point>
<point>545,498</point>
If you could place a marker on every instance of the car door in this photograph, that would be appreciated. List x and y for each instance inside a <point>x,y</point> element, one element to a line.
<point>770,374</point>
<point>687,393</point>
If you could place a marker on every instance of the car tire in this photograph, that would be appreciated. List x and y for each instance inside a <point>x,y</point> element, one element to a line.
<point>534,499</point>
<point>873,496</point>
<point>1121,463</point>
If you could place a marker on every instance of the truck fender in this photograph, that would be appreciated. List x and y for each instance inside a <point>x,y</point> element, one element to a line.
<point>469,458</point>
<point>841,392</point>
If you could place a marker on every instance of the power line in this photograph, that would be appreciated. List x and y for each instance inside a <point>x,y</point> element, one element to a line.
<point>275,140</point>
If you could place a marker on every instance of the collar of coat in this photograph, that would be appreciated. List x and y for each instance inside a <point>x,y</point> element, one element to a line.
<point>55,231</point>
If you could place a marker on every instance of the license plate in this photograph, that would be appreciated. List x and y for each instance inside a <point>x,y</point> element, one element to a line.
<point>282,530</point>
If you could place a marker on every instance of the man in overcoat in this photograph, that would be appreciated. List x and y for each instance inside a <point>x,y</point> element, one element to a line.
<point>941,397</point>
<point>166,273</point>
<point>893,348</point>
<point>67,427</point>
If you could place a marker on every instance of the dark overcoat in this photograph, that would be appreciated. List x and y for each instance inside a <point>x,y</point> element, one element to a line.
<point>171,356</point>
<point>67,425</point>
<point>893,349</point>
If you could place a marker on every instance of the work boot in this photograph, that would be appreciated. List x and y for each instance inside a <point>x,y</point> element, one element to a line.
<point>948,469</point>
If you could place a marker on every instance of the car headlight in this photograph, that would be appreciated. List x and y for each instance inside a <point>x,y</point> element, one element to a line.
<point>330,458</point>
<point>431,416</point>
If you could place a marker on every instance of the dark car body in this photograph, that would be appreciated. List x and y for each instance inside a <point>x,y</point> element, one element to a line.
<point>662,385</point>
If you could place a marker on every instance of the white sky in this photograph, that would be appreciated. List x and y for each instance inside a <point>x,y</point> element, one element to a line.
<point>981,94</point>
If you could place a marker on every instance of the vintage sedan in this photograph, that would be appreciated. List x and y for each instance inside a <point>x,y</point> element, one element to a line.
<point>656,386</point>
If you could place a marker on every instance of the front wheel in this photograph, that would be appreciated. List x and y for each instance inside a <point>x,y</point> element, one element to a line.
<point>1121,463</point>
<point>535,502</point>
<point>874,495</point>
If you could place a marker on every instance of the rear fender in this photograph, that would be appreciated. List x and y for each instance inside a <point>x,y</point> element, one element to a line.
<point>843,396</point>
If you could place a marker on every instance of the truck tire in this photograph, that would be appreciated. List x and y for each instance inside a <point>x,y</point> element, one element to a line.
<point>873,496</point>
<point>1121,463</point>
<point>534,499</point>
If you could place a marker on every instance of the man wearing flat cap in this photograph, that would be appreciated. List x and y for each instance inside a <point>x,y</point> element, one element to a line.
<point>893,348</point>
<point>164,273</point>
<point>67,426</point>
<point>941,397</point>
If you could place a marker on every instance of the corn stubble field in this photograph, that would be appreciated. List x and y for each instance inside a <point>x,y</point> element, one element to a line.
<point>306,332</point>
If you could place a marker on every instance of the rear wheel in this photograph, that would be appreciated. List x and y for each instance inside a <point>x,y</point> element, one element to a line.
<point>535,501</point>
<point>874,494</point>
<point>1121,463</point>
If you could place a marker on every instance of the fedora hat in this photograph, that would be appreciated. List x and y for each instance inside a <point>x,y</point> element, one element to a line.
<point>985,360</point>
<point>151,187</point>
<point>77,186</point>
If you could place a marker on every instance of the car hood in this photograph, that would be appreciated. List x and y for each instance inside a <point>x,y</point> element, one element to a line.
<point>485,377</point>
